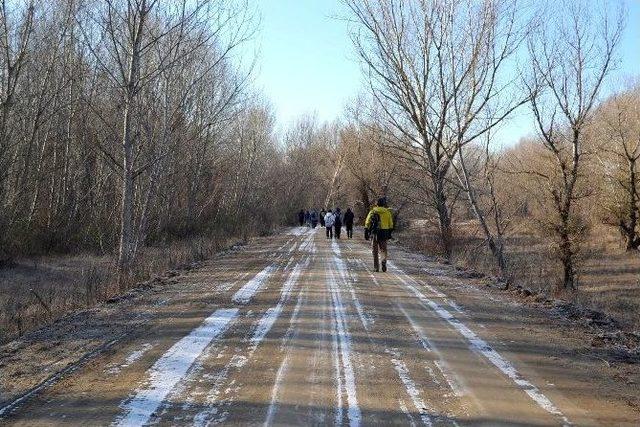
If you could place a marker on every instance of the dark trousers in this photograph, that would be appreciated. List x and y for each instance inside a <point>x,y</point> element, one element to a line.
<point>349,228</point>
<point>338,230</point>
<point>329,232</point>
<point>379,247</point>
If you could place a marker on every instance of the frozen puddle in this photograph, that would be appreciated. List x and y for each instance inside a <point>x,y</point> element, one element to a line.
<point>165,374</point>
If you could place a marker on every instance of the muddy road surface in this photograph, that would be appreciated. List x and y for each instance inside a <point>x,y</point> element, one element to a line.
<point>296,329</point>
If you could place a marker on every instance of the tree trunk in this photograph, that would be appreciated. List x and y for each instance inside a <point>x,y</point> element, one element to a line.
<point>127,251</point>
<point>567,254</point>
<point>444,216</point>
<point>125,255</point>
<point>495,243</point>
<point>632,241</point>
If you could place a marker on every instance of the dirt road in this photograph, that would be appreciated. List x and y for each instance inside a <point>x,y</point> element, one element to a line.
<point>297,329</point>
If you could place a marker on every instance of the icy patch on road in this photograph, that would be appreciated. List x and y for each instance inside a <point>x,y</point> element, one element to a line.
<point>165,374</point>
<point>347,279</point>
<point>298,231</point>
<point>450,378</point>
<point>454,383</point>
<point>131,359</point>
<point>308,245</point>
<point>455,306</point>
<point>271,315</point>
<point>423,340</point>
<point>263,327</point>
<point>479,346</point>
<point>405,411</point>
<point>342,347</point>
<point>273,404</point>
<point>244,294</point>
<point>411,387</point>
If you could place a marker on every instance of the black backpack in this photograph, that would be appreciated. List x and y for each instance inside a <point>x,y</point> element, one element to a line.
<point>374,226</point>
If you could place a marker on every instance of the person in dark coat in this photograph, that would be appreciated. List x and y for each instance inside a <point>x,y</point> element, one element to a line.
<point>301,217</point>
<point>307,218</point>
<point>322,214</point>
<point>337,223</point>
<point>314,218</point>
<point>348,222</point>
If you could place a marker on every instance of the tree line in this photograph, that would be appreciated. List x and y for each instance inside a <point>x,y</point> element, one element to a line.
<point>126,123</point>
<point>442,79</point>
<point>446,75</point>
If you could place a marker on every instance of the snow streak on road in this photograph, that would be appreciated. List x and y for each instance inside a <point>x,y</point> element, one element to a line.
<point>172,367</point>
<point>342,342</point>
<point>247,292</point>
<point>272,314</point>
<point>480,346</point>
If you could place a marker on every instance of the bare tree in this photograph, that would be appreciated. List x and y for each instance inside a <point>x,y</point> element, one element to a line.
<point>16,24</point>
<point>477,168</point>
<point>139,41</point>
<point>373,170</point>
<point>437,70</point>
<point>571,55</point>
<point>619,155</point>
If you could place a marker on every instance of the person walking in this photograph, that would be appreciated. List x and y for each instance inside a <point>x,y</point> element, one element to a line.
<point>328,222</point>
<point>348,222</point>
<point>322,214</point>
<point>378,228</point>
<point>307,218</point>
<point>314,219</point>
<point>301,217</point>
<point>337,223</point>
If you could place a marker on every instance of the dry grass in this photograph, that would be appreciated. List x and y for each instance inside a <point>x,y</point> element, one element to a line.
<point>37,291</point>
<point>609,277</point>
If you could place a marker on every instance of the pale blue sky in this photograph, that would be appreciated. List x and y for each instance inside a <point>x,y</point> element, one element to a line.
<point>306,63</point>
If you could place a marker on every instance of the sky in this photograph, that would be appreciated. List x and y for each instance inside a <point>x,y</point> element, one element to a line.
<point>305,59</point>
<point>306,64</point>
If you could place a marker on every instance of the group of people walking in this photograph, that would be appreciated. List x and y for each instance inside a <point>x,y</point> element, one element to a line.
<point>378,227</point>
<point>308,218</point>
<point>333,221</point>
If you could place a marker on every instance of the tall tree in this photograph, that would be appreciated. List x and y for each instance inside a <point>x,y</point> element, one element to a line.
<point>437,70</point>
<point>571,55</point>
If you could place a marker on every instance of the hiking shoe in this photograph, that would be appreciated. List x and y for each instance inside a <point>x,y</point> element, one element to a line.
<point>384,266</point>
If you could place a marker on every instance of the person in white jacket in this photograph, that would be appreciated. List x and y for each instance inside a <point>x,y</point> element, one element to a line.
<point>329,219</point>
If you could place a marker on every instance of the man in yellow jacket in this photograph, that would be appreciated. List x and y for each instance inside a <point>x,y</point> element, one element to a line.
<point>378,227</point>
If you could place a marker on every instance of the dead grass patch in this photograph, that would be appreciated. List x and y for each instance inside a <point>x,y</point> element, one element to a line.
<point>609,277</point>
<point>39,290</point>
